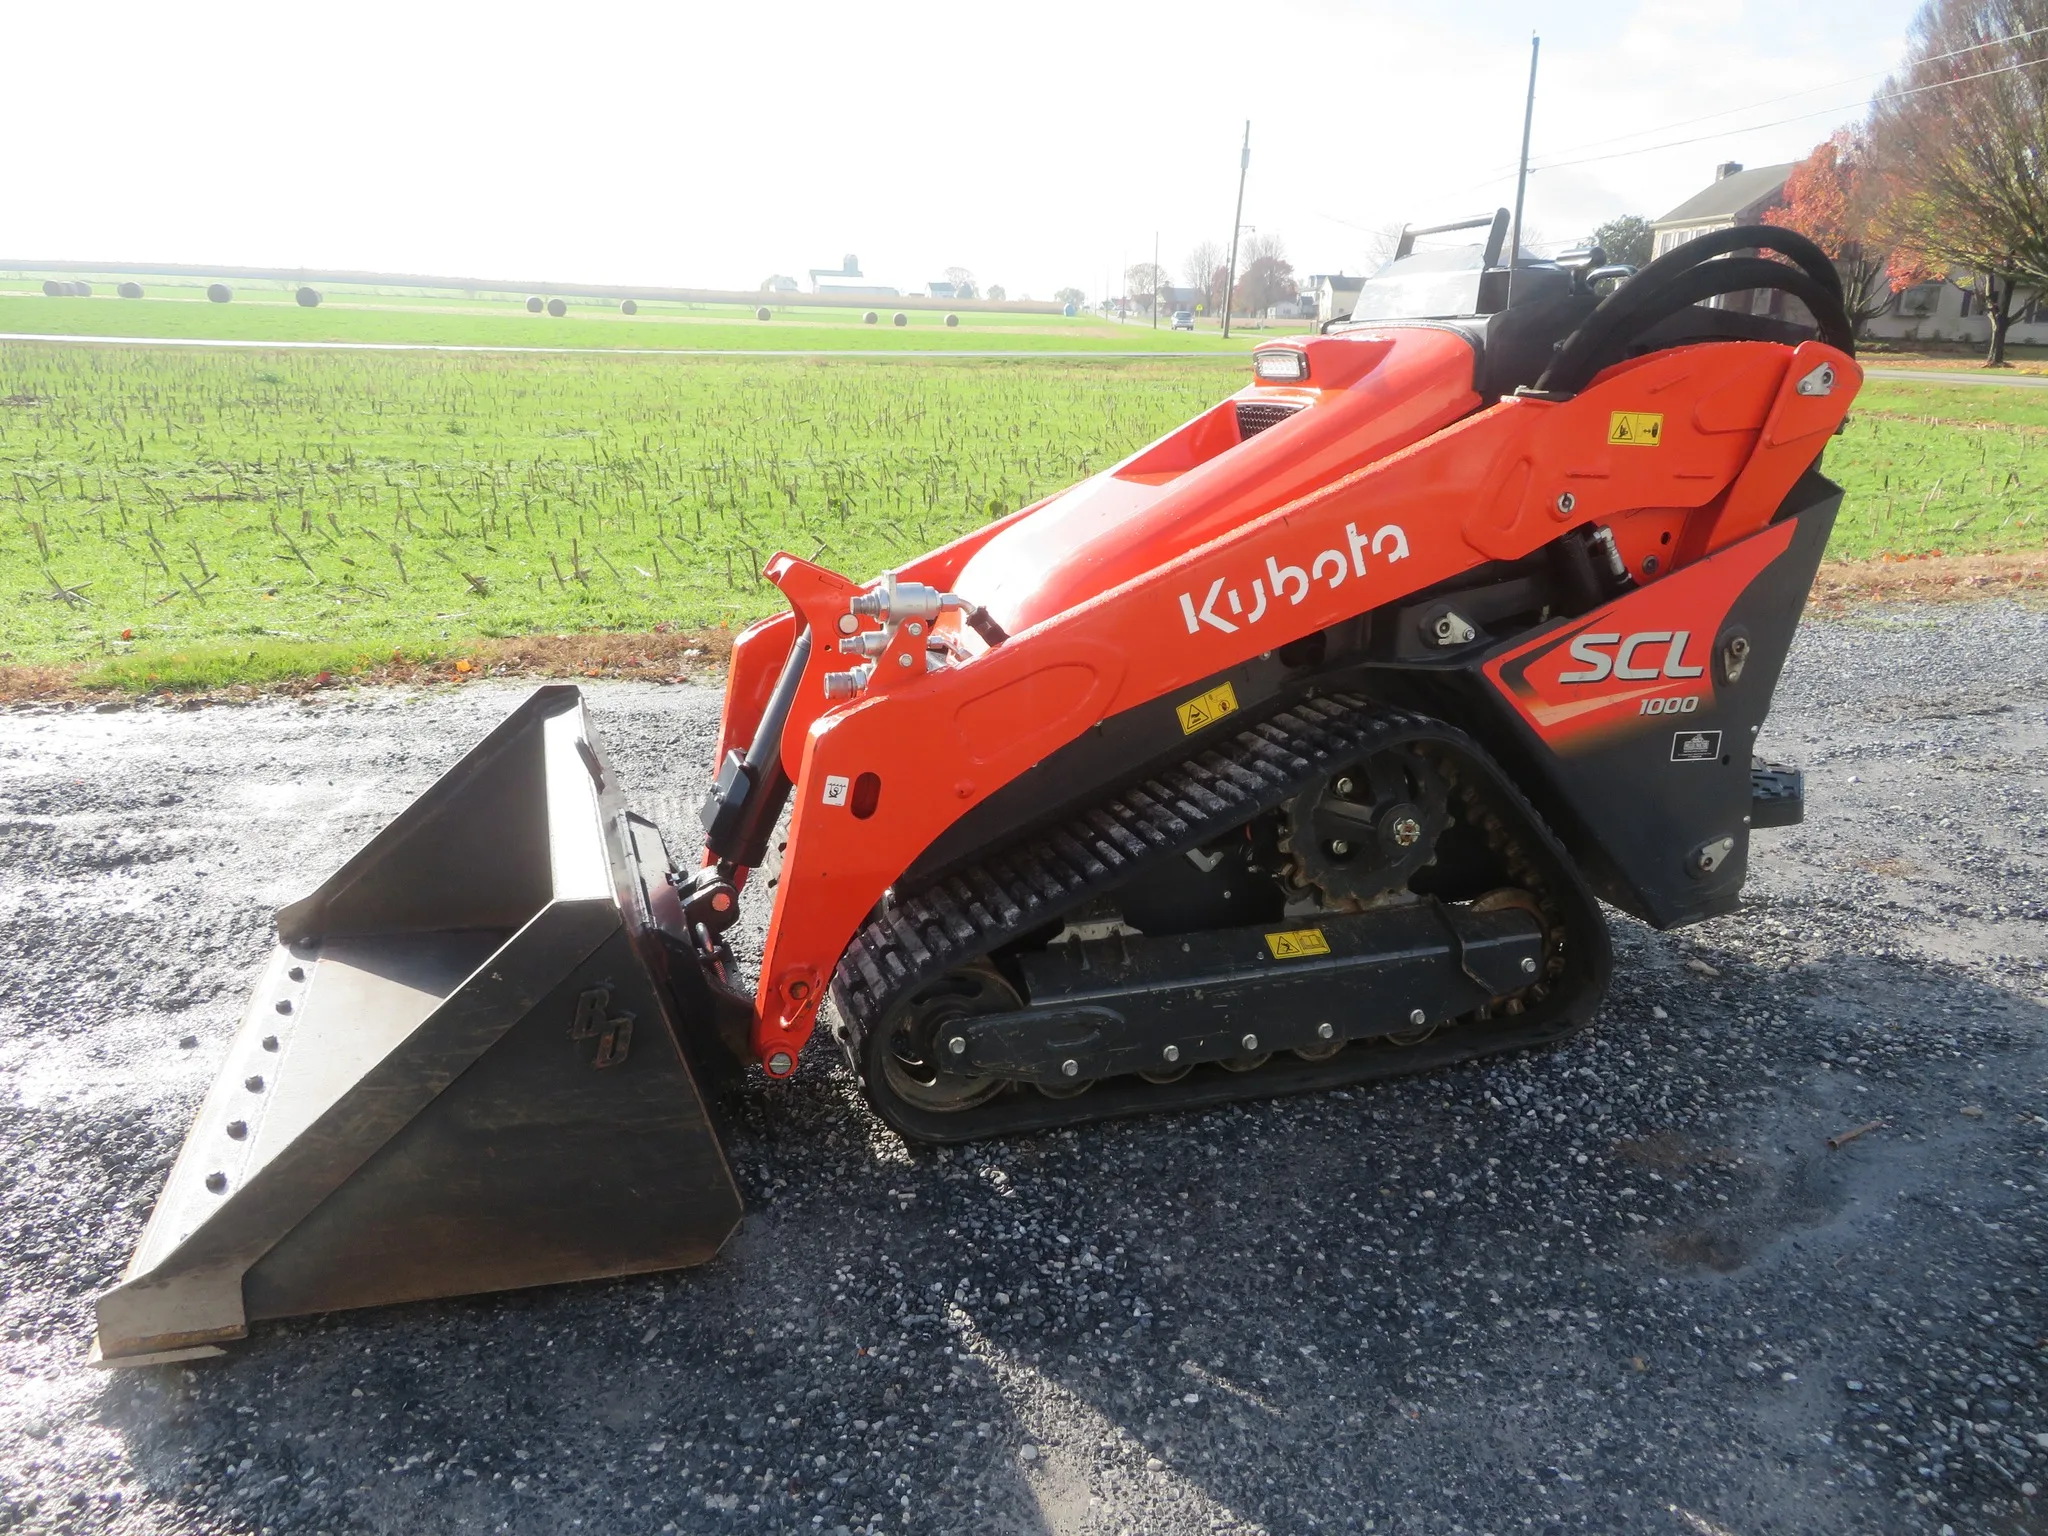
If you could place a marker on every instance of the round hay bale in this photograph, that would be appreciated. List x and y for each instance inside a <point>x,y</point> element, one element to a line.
<point>899,318</point>
<point>536,304</point>
<point>629,307</point>
<point>52,289</point>
<point>218,293</point>
<point>82,289</point>
<point>130,290</point>
<point>763,313</point>
<point>557,308</point>
<point>309,298</point>
<point>869,318</point>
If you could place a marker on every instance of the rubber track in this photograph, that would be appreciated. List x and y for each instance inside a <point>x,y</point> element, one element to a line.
<point>926,933</point>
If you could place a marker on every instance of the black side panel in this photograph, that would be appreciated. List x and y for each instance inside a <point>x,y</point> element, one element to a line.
<point>1645,814</point>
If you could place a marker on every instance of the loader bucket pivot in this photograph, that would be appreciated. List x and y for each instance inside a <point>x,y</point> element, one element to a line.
<point>463,1070</point>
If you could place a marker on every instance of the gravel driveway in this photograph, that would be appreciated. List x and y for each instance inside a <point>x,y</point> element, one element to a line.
<point>1620,1286</point>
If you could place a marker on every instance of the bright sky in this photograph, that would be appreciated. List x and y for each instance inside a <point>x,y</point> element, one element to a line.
<point>1039,144</point>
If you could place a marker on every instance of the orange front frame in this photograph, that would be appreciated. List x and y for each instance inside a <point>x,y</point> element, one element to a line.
<point>1494,486</point>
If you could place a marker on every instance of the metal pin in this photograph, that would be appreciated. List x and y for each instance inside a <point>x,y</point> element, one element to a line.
<point>1528,965</point>
<point>216,1182</point>
<point>1171,1053</point>
<point>297,973</point>
<point>237,1129</point>
<point>284,1005</point>
<point>270,1042</point>
<point>957,1045</point>
<point>254,1084</point>
<point>1070,1068</point>
<point>1250,1042</point>
<point>1324,1032</point>
<point>1417,1016</point>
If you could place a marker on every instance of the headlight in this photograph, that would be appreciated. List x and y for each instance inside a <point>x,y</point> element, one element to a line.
<point>1280,365</point>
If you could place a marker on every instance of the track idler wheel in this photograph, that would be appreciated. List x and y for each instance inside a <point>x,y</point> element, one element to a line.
<point>909,1045</point>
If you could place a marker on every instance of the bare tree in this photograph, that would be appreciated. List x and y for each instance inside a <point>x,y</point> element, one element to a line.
<point>962,281</point>
<point>1962,135</point>
<point>1202,271</point>
<point>1381,244</point>
<point>1259,246</point>
<point>1143,282</point>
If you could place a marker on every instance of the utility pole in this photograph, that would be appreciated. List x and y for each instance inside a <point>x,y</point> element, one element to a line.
<point>1522,176</point>
<point>1244,163</point>
<point>1155,279</point>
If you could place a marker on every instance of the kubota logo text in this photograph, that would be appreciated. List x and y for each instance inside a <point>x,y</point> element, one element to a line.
<point>1623,663</point>
<point>1292,581</point>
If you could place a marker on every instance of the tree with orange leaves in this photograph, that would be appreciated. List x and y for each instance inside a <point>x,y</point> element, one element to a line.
<point>1833,197</point>
<point>1962,135</point>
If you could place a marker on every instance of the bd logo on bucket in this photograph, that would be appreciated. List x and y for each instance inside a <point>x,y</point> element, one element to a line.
<point>1330,566</point>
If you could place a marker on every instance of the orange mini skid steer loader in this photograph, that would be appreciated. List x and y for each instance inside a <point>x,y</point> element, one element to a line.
<point>1298,749</point>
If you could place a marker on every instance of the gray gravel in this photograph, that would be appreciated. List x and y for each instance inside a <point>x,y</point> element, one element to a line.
<point>1619,1286</point>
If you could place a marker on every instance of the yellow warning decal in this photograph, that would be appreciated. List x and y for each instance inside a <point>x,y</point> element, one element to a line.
<point>1297,944</point>
<point>1206,709</point>
<point>1635,429</point>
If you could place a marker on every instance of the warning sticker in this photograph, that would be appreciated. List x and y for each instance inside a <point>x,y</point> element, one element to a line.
<point>835,788</point>
<point>1298,944</point>
<point>1205,709</point>
<point>1635,429</point>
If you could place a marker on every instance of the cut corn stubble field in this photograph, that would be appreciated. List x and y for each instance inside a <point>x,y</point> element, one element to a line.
<point>191,519</point>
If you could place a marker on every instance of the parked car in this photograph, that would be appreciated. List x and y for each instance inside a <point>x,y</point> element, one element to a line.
<point>1183,319</point>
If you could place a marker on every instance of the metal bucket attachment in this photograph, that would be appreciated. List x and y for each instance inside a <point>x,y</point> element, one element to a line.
<point>462,1071</point>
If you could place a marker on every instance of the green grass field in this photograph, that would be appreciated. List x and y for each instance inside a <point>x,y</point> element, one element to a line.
<point>263,514</point>
<point>192,517</point>
<point>1958,469</point>
<point>266,312</point>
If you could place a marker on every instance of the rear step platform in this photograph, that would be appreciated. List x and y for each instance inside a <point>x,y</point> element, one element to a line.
<point>1777,796</point>
<point>462,1071</point>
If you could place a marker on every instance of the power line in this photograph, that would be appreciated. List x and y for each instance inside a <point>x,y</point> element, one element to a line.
<point>1769,101</point>
<point>1650,149</point>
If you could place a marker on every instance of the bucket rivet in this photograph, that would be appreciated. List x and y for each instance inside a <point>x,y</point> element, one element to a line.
<point>216,1182</point>
<point>237,1129</point>
<point>1324,1032</point>
<point>270,1042</point>
<point>284,1005</point>
<point>1250,1042</point>
<point>1418,1017</point>
<point>957,1045</point>
<point>297,973</point>
<point>1070,1068</point>
<point>1171,1053</point>
<point>254,1085</point>
<point>780,1063</point>
<point>1528,965</point>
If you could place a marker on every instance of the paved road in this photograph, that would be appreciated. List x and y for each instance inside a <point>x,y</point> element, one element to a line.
<point>1957,376</point>
<point>1619,1286</point>
<point>879,353</point>
<point>1899,375</point>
